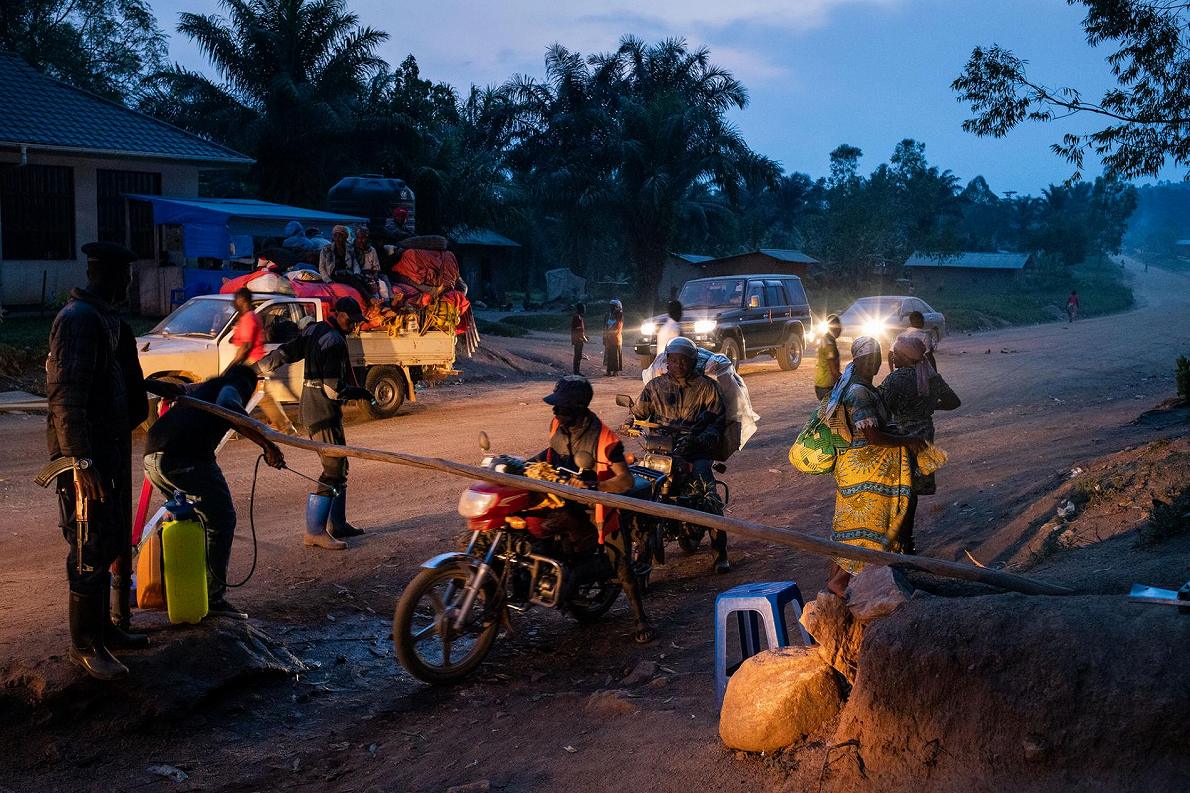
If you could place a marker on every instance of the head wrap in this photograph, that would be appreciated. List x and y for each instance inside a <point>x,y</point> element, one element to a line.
<point>860,348</point>
<point>911,350</point>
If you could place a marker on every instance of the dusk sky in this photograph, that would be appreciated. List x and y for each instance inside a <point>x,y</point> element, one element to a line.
<point>820,72</point>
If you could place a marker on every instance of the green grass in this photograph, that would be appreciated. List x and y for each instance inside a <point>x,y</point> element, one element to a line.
<point>489,328</point>
<point>31,334</point>
<point>1035,299</point>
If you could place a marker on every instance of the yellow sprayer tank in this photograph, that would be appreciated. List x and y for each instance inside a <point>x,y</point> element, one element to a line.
<point>184,552</point>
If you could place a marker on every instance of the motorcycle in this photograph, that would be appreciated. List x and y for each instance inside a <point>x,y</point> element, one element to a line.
<point>671,480</point>
<point>525,549</point>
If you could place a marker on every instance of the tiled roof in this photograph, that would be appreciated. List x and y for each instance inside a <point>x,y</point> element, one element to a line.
<point>786,255</point>
<point>43,113</point>
<point>972,261</point>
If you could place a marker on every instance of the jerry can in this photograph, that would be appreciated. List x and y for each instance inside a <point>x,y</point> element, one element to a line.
<point>184,551</point>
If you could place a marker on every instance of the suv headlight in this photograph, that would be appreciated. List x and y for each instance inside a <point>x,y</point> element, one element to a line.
<point>648,328</point>
<point>874,328</point>
<point>474,504</point>
<point>704,326</point>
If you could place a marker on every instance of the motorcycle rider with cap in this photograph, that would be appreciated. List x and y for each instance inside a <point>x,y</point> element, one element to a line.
<point>689,400</point>
<point>575,429</point>
<point>325,387</point>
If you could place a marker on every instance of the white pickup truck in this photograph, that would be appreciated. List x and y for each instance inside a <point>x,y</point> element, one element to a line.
<point>194,343</point>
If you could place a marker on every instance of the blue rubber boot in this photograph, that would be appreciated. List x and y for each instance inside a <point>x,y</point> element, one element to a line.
<point>340,528</point>
<point>318,510</point>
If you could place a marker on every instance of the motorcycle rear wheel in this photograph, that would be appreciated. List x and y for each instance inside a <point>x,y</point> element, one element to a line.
<point>691,537</point>
<point>594,603</point>
<point>423,638</point>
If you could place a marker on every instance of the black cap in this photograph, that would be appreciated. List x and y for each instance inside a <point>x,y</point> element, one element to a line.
<point>573,390</point>
<point>111,253</point>
<point>350,307</point>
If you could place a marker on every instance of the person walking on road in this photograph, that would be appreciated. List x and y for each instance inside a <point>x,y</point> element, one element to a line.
<point>912,393</point>
<point>578,334</point>
<point>873,477</point>
<point>323,347</point>
<point>613,338</point>
<point>96,395</point>
<point>1072,306</point>
<point>826,372</point>
<point>180,455</point>
<point>248,339</point>
<point>671,328</point>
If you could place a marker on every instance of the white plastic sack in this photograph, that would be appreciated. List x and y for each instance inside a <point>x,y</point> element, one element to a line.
<point>732,389</point>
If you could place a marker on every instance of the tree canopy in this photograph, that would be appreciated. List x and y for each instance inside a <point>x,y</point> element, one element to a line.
<point>1145,114</point>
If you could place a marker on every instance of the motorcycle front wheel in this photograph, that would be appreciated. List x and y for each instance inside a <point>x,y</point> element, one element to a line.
<point>425,639</point>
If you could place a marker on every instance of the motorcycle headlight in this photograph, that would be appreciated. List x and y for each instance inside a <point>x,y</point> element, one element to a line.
<point>474,504</point>
<point>648,328</point>
<point>704,326</point>
<point>659,463</point>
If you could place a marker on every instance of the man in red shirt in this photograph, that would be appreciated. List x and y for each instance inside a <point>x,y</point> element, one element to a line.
<point>248,337</point>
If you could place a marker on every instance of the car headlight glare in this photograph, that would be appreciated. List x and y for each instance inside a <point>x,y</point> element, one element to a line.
<point>648,328</point>
<point>874,328</point>
<point>474,503</point>
<point>704,326</point>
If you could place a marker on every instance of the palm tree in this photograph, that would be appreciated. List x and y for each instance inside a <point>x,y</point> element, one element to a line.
<point>292,76</point>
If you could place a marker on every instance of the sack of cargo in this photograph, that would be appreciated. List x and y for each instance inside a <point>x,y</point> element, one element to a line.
<point>429,268</point>
<point>816,446</point>
<point>424,242</point>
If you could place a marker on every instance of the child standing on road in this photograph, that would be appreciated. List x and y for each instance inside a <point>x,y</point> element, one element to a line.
<point>1072,306</point>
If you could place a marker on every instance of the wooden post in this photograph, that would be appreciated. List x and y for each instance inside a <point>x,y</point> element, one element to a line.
<point>743,528</point>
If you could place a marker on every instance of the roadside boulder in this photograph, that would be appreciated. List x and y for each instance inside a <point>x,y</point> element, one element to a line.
<point>778,697</point>
<point>877,592</point>
<point>837,632</point>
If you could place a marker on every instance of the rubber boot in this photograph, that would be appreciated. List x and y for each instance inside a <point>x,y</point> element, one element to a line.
<point>88,615</point>
<point>116,637</point>
<point>318,509</point>
<point>719,545</point>
<point>340,528</point>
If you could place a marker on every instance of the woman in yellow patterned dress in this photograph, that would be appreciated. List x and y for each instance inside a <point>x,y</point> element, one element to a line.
<point>873,476</point>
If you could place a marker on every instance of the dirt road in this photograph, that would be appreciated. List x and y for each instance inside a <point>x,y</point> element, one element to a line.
<point>1037,401</point>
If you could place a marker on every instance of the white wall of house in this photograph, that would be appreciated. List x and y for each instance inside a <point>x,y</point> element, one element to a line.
<point>21,281</point>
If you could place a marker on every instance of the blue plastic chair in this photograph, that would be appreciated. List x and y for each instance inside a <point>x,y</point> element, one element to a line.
<point>751,603</point>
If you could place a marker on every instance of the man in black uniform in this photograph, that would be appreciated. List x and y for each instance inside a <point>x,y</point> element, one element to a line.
<point>576,428</point>
<point>323,347</point>
<point>96,395</point>
<point>180,455</point>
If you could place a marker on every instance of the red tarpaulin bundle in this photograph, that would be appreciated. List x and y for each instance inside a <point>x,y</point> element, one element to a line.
<point>431,268</point>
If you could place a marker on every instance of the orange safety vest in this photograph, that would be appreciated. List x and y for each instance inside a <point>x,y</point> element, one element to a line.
<point>603,471</point>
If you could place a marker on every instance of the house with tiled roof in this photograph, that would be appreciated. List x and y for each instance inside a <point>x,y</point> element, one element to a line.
<point>968,269</point>
<point>68,158</point>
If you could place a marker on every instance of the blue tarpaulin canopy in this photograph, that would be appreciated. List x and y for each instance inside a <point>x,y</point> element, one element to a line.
<point>209,224</point>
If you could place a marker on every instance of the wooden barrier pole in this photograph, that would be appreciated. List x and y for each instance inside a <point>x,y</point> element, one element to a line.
<point>744,528</point>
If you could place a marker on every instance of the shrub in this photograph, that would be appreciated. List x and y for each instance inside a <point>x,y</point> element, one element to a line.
<point>1182,376</point>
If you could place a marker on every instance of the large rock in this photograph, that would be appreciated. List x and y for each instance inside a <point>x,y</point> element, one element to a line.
<point>837,632</point>
<point>877,592</point>
<point>778,697</point>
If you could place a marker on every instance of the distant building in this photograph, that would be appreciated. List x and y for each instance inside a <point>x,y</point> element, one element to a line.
<point>67,160</point>
<point>967,269</point>
<point>679,268</point>
<point>488,263</point>
<point>682,267</point>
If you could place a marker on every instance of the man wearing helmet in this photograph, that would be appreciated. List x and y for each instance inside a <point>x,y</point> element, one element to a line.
<point>691,401</point>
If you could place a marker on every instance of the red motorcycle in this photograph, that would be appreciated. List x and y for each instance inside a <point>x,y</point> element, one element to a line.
<point>525,549</point>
